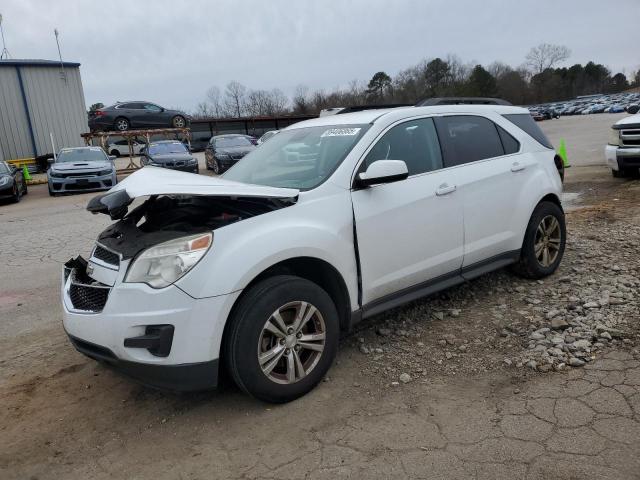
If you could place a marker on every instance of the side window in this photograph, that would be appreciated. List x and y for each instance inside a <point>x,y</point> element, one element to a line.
<point>510,144</point>
<point>526,123</point>
<point>414,142</point>
<point>468,138</point>
<point>152,108</point>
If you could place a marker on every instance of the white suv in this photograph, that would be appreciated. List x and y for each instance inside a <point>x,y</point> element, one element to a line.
<point>623,149</point>
<point>331,221</point>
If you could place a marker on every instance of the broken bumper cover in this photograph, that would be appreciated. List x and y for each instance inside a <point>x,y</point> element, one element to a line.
<point>123,330</point>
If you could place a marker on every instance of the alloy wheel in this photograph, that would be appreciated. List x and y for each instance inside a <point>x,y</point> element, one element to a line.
<point>291,342</point>
<point>122,125</point>
<point>548,240</point>
<point>178,122</point>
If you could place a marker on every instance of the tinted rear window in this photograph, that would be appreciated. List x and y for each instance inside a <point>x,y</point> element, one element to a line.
<point>467,138</point>
<point>526,122</point>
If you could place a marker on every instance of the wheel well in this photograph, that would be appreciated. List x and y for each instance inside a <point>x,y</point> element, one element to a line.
<point>553,198</point>
<point>559,165</point>
<point>322,274</point>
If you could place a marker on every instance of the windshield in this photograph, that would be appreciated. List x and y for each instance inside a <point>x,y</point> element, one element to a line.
<point>301,158</point>
<point>232,142</point>
<point>90,154</point>
<point>162,148</point>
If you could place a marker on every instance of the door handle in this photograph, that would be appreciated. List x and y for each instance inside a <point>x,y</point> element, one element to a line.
<point>445,189</point>
<point>517,167</point>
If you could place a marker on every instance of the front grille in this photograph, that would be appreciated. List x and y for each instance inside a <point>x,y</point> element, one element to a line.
<point>106,256</point>
<point>92,350</point>
<point>82,186</point>
<point>630,138</point>
<point>79,175</point>
<point>87,294</point>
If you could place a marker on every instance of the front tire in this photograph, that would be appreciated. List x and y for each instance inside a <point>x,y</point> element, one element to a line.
<point>544,242</point>
<point>282,338</point>
<point>216,166</point>
<point>17,193</point>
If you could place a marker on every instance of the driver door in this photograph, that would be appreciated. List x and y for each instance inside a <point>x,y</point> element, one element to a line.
<point>409,232</point>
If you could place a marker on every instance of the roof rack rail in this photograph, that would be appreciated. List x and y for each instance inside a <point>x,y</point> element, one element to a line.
<point>430,102</point>
<point>359,108</point>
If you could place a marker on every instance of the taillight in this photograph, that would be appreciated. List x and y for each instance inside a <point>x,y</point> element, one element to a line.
<point>99,113</point>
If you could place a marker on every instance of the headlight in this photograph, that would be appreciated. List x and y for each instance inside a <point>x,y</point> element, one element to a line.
<point>192,161</point>
<point>105,172</point>
<point>165,263</point>
<point>222,156</point>
<point>614,137</point>
<point>55,174</point>
<point>4,180</point>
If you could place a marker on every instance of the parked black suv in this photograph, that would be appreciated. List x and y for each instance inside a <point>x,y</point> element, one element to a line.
<point>130,115</point>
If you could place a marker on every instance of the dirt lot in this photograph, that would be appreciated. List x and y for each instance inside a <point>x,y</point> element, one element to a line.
<point>473,383</point>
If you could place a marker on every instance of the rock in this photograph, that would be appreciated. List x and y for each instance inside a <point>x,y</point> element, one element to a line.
<point>507,362</point>
<point>532,364</point>
<point>559,323</point>
<point>536,336</point>
<point>614,332</point>
<point>576,362</point>
<point>438,315</point>
<point>553,313</point>
<point>591,305</point>
<point>405,378</point>
<point>581,344</point>
<point>448,355</point>
<point>364,349</point>
<point>395,384</point>
<point>605,335</point>
<point>454,312</point>
<point>383,332</point>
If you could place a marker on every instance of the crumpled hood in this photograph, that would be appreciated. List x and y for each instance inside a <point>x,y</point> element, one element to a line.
<point>72,166</point>
<point>159,181</point>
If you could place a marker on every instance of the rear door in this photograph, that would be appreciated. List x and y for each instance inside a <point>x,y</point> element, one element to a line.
<point>492,175</point>
<point>408,232</point>
<point>137,114</point>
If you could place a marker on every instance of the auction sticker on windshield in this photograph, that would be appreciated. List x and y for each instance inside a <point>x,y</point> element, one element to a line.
<point>341,132</point>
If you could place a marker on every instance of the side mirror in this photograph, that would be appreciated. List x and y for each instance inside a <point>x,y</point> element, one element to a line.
<point>51,160</point>
<point>112,157</point>
<point>383,171</point>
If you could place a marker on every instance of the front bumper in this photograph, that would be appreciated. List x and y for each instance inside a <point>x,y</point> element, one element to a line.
<point>193,168</point>
<point>6,190</point>
<point>128,312</point>
<point>81,183</point>
<point>621,158</point>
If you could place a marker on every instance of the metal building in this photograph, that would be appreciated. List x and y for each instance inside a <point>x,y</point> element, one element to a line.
<point>40,99</point>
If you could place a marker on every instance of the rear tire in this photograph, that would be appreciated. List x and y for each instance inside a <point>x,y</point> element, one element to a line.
<point>261,348</point>
<point>217,169</point>
<point>544,242</point>
<point>178,122</point>
<point>121,124</point>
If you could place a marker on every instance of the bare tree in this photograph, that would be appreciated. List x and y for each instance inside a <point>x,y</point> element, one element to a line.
<point>301,100</point>
<point>203,110</point>
<point>546,56</point>
<point>235,99</point>
<point>214,101</point>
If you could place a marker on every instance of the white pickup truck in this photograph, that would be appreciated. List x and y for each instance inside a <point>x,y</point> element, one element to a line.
<point>623,149</point>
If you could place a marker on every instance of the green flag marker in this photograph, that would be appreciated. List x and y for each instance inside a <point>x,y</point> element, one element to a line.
<point>562,152</point>
<point>25,173</point>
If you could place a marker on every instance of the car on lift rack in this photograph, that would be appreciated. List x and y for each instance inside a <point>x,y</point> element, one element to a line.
<point>12,182</point>
<point>135,115</point>
<point>259,271</point>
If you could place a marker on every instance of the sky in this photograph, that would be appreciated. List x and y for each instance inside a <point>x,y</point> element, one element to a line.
<point>171,52</point>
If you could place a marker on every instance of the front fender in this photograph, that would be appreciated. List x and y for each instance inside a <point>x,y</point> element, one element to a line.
<point>321,229</point>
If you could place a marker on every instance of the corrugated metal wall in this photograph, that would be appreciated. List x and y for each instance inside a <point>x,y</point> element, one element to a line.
<point>54,106</point>
<point>14,128</point>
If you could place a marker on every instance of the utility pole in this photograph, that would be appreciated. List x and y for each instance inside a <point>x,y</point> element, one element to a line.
<point>5,53</point>
<point>63,75</point>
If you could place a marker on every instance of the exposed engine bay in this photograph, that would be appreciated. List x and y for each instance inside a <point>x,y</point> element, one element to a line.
<point>161,218</point>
